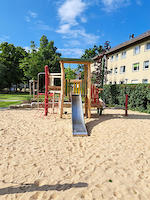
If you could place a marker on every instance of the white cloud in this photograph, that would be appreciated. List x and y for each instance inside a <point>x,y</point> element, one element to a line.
<point>65,28</point>
<point>4,38</point>
<point>78,34</point>
<point>70,10</point>
<point>110,5</point>
<point>42,26</point>
<point>70,13</point>
<point>27,18</point>
<point>73,43</point>
<point>139,2</point>
<point>32,14</point>
<point>32,17</point>
<point>83,19</point>
<point>74,52</point>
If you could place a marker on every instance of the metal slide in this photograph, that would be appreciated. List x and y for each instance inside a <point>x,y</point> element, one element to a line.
<point>78,125</point>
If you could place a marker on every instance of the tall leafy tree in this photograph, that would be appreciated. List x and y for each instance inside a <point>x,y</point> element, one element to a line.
<point>10,57</point>
<point>89,54</point>
<point>46,54</point>
<point>70,73</point>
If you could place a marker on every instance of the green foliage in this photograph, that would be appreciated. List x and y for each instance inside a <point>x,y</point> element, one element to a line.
<point>3,72</point>
<point>70,73</point>
<point>10,57</point>
<point>92,52</point>
<point>46,54</point>
<point>88,54</point>
<point>139,96</point>
<point>7,104</point>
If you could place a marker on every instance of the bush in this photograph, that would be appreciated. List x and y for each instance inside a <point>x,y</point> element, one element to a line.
<point>139,96</point>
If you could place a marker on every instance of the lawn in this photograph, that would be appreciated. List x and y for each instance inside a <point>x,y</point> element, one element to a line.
<point>12,99</point>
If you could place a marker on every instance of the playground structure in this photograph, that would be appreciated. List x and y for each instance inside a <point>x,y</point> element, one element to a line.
<point>69,87</point>
<point>72,93</point>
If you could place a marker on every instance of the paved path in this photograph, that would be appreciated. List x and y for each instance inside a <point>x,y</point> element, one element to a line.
<point>9,100</point>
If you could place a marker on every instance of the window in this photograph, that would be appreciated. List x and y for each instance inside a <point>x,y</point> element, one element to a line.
<point>116,56</point>
<point>123,54</point>
<point>121,82</point>
<point>122,69</point>
<point>110,82</point>
<point>147,47</point>
<point>136,50</point>
<point>115,82</point>
<point>112,58</point>
<point>134,81</point>
<point>145,81</point>
<point>135,67</point>
<point>115,70</point>
<point>110,71</point>
<point>146,65</point>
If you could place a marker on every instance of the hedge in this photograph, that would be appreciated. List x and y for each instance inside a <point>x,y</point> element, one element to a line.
<point>139,96</point>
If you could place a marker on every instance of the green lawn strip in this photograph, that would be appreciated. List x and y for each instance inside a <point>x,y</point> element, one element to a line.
<point>14,97</point>
<point>7,104</point>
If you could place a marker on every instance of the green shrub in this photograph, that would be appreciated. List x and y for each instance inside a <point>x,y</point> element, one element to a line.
<point>139,96</point>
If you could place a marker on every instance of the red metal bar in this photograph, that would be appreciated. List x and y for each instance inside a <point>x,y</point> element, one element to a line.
<point>46,89</point>
<point>126,106</point>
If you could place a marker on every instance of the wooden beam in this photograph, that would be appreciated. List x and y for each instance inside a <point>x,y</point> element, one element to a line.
<point>76,62</point>
<point>89,91</point>
<point>85,88</point>
<point>62,88</point>
<point>75,81</point>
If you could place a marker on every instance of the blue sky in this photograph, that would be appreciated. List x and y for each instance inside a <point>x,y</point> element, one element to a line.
<point>74,25</point>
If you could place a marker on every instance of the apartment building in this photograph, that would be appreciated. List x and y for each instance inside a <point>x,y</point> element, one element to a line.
<point>129,62</point>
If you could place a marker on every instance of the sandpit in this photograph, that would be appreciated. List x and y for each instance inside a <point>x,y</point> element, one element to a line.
<point>41,160</point>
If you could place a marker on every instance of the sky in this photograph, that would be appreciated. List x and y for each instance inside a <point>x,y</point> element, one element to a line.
<point>74,25</point>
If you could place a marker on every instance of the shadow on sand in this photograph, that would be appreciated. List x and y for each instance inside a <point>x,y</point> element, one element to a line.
<point>32,187</point>
<point>99,119</point>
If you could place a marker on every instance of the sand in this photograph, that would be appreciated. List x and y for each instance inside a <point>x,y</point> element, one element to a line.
<point>41,160</point>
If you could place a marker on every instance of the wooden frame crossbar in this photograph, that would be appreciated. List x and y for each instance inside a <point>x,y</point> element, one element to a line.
<point>87,79</point>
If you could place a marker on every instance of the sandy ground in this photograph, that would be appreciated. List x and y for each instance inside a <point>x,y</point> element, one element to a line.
<point>41,160</point>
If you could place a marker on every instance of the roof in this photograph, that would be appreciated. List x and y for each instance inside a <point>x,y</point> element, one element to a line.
<point>75,60</point>
<point>141,38</point>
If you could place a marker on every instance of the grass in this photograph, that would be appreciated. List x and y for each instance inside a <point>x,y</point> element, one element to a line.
<point>7,104</point>
<point>18,97</point>
<point>14,96</point>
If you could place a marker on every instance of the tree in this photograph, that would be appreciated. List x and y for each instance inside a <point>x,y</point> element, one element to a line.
<point>70,73</point>
<point>92,52</point>
<point>89,54</point>
<point>100,73</point>
<point>10,57</point>
<point>46,54</point>
<point>3,81</point>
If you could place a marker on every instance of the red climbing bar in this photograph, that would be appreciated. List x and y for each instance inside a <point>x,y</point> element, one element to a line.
<point>46,89</point>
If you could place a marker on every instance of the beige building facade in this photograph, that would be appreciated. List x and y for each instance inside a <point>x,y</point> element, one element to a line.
<point>129,62</point>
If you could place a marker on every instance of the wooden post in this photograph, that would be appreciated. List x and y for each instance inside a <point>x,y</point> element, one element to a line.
<point>79,88</point>
<point>62,88</point>
<point>89,91</point>
<point>85,88</point>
